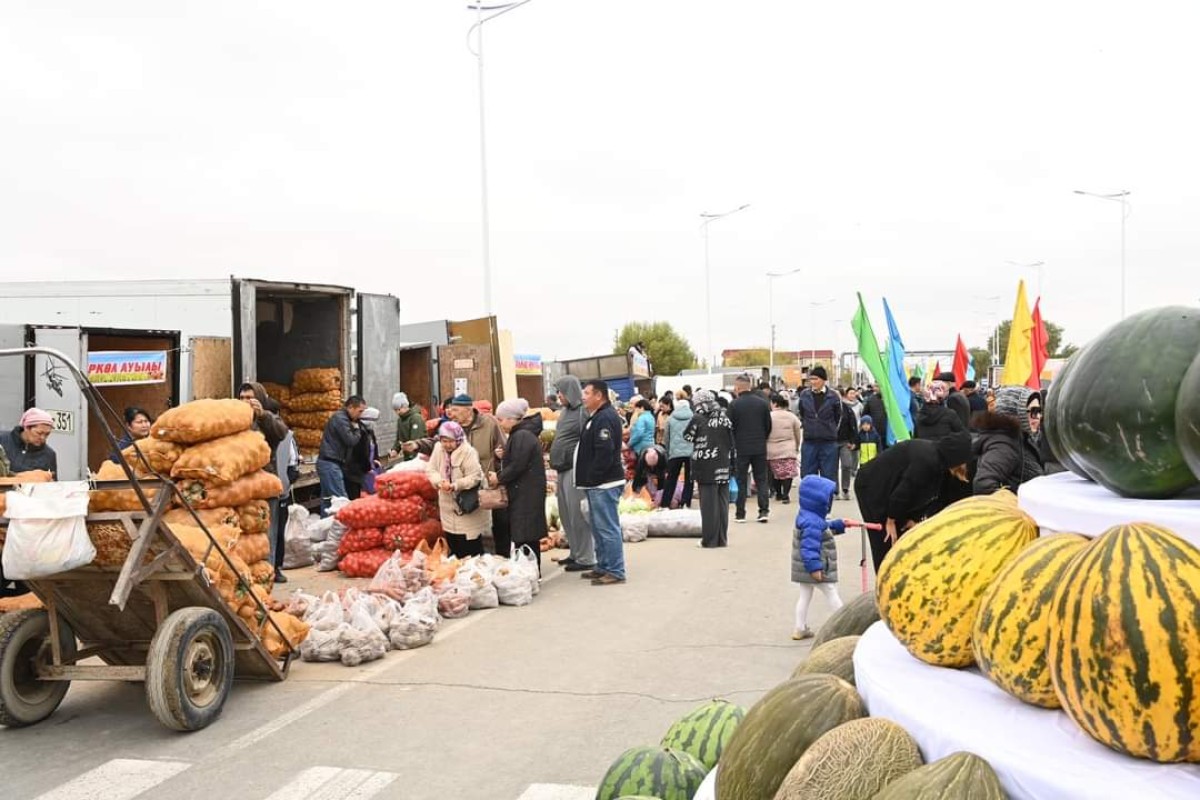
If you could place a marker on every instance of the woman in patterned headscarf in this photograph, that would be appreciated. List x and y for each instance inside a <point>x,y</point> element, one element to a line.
<point>454,467</point>
<point>711,435</point>
<point>936,421</point>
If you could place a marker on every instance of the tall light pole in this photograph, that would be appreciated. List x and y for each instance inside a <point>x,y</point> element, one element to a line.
<point>812,349</point>
<point>771,276</point>
<point>477,29</point>
<point>1121,197</point>
<point>712,356</point>
<point>1040,266</point>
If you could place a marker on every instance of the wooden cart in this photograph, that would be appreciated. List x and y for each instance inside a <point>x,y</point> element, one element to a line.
<point>156,618</point>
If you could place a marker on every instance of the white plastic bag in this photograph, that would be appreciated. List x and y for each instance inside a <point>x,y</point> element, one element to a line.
<point>635,527</point>
<point>297,544</point>
<point>47,530</point>
<point>476,578</point>
<point>526,562</point>
<point>327,550</point>
<point>327,614</point>
<point>417,623</point>
<point>512,586</point>
<point>675,522</point>
<point>414,465</point>
<point>322,645</point>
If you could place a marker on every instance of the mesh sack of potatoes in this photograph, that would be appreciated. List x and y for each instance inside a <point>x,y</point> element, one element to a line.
<point>160,455</point>
<point>316,380</point>
<point>101,500</point>
<point>308,419</point>
<point>255,486</point>
<point>278,391</point>
<point>254,517</point>
<point>222,461</point>
<point>308,438</point>
<point>111,541</point>
<point>202,420</point>
<point>197,542</point>
<point>252,547</point>
<point>211,517</point>
<point>317,401</point>
<point>295,631</point>
<point>262,573</point>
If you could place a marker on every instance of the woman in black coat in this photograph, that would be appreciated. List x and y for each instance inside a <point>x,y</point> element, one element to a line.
<point>523,474</point>
<point>899,486</point>
<point>936,420</point>
<point>1006,451</point>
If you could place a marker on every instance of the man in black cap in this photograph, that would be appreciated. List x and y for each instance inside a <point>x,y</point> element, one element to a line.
<point>956,401</point>
<point>821,412</point>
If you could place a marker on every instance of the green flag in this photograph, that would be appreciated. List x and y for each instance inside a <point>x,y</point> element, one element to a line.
<point>868,351</point>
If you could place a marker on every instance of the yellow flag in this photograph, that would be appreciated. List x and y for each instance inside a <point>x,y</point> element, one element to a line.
<point>1018,362</point>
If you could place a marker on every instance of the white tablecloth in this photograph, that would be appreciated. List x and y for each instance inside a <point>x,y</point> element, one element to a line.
<point>1066,503</point>
<point>1038,753</point>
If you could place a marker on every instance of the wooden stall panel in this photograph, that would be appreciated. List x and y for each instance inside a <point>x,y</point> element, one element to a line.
<point>212,368</point>
<point>466,366</point>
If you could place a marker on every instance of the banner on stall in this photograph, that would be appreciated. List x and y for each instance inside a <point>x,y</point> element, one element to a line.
<point>528,365</point>
<point>127,367</point>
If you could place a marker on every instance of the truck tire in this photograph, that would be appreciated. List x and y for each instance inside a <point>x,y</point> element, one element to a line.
<point>189,669</point>
<point>24,645</point>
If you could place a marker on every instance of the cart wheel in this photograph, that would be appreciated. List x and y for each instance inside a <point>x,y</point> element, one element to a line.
<point>189,669</point>
<point>24,646</point>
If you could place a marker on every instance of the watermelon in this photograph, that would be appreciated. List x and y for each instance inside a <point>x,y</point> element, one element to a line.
<point>832,658</point>
<point>958,775</point>
<point>1050,421</point>
<point>705,732</point>
<point>852,619</point>
<point>1187,417</point>
<point>652,772</point>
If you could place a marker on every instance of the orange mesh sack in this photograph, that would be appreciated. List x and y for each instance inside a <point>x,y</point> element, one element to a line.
<point>116,499</point>
<point>315,420</point>
<point>293,629</point>
<point>253,547</point>
<point>211,517</point>
<point>111,541</point>
<point>255,486</point>
<point>203,420</point>
<point>255,517</point>
<point>317,401</point>
<point>317,380</point>
<point>308,439</point>
<point>196,542</point>
<point>222,461</point>
<point>161,455</point>
<point>277,391</point>
<point>263,573</point>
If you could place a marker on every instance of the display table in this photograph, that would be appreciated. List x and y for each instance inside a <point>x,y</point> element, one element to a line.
<point>1066,503</point>
<point>1038,753</point>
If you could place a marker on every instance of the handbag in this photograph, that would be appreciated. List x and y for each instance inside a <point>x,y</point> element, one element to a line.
<point>493,499</point>
<point>467,500</point>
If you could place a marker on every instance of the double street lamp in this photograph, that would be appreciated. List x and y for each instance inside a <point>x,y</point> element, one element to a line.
<point>708,218</point>
<point>1121,197</point>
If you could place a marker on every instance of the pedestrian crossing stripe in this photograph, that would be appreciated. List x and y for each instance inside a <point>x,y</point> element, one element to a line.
<point>558,791</point>
<point>332,783</point>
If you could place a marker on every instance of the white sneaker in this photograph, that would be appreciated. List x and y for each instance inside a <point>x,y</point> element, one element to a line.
<point>804,634</point>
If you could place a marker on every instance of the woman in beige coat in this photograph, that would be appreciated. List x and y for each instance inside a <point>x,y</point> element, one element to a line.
<point>453,467</point>
<point>782,446</point>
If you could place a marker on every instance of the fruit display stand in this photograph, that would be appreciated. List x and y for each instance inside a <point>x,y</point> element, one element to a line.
<point>1038,753</point>
<point>1067,503</point>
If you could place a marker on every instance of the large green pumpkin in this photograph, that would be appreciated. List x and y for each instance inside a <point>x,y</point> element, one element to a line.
<point>962,776</point>
<point>852,619</point>
<point>652,772</point>
<point>1187,417</point>
<point>777,731</point>
<point>854,761</point>
<point>705,732</point>
<point>1116,417</point>
<point>835,657</point>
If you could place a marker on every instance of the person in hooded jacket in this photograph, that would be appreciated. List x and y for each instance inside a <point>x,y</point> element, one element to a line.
<point>711,435</point>
<point>523,474</point>
<point>361,466</point>
<point>1005,447</point>
<point>679,456</point>
<point>574,521</point>
<point>410,426</point>
<point>936,419</point>
<point>814,553</point>
<point>899,486</point>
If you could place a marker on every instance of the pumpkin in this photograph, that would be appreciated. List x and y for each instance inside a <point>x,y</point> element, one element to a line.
<point>835,657</point>
<point>1123,642</point>
<point>931,583</point>
<point>777,731</point>
<point>853,761</point>
<point>1012,629</point>
<point>1119,428</point>
<point>852,619</point>
<point>963,776</point>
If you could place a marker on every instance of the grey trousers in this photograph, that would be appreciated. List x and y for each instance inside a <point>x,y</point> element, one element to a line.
<point>714,514</point>
<point>574,522</point>
<point>848,459</point>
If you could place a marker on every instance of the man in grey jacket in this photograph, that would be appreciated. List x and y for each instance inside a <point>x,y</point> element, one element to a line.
<point>571,417</point>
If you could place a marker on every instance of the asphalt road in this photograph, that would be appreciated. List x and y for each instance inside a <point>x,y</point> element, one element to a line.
<point>529,703</point>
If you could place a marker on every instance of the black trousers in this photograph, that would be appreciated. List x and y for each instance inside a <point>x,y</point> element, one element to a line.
<point>780,489</point>
<point>501,532</point>
<point>674,467</point>
<point>462,547</point>
<point>759,465</point>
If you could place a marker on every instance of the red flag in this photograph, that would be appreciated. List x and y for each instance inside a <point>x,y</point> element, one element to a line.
<point>961,360</point>
<point>937,369</point>
<point>1039,345</point>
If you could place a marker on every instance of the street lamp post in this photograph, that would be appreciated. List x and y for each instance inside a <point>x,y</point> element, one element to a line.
<point>1040,266</point>
<point>486,233</point>
<point>1121,197</point>
<point>812,347</point>
<point>771,276</point>
<point>712,356</point>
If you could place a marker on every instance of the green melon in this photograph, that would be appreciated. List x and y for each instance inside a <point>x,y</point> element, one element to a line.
<point>778,730</point>
<point>835,657</point>
<point>705,732</point>
<point>657,772</point>
<point>852,762</point>
<point>1050,416</point>
<point>963,776</point>
<point>852,619</point>
<point>1187,417</point>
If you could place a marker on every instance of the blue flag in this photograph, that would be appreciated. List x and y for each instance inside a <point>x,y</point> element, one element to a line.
<point>971,368</point>
<point>896,373</point>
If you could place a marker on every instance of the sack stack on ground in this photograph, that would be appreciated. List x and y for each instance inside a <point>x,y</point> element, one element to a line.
<point>400,518</point>
<point>314,396</point>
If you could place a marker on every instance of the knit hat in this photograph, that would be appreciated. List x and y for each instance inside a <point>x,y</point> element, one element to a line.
<point>451,430</point>
<point>1013,401</point>
<point>866,419</point>
<point>462,400</point>
<point>400,400</point>
<point>818,372</point>
<point>370,414</point>
<point>35,416</point>
<point>512,409</point>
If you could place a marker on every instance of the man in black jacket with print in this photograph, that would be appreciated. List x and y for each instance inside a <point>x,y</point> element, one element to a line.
<point>751,417</point>
<point>600,474</point>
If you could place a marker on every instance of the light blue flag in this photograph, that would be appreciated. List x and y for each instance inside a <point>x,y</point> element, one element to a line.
<point>970,367</point>
<point>895,367</point>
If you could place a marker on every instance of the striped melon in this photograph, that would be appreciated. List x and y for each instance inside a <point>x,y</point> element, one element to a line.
<point>1012,628</point>
<point>705,732</point>
<point>652,772</point>
<point>832,658</point>
<point>852,762</point>
<point>778,729</point>
<point>1124,631</point>
<point>852,619</point>
<point>930,584</point>
<point>962,776</point>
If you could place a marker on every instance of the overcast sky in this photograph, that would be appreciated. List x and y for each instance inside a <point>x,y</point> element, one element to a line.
<point>898,149</point>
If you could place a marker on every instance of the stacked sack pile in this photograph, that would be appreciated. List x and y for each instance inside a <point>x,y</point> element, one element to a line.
<point>403,515</point>
<point>314,396</point>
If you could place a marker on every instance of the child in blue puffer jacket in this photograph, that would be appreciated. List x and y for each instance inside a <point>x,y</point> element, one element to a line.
<point>814,553</point>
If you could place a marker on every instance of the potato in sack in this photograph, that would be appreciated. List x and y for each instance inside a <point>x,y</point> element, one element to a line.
<point>316,379</point>
<point>203,420</point>
<point>209,516</point>
<point>252,547</point>
<point>278,392</point>
<point>399,485</point>
<point>373,512</point>
<point>160,455</point>
<point>307,439</point>
<point>255,486</point>
<point>100,500</point>
<point>316,401</point>
<point>313,420</point>
<point>255,517</point>
<point>222,461</point>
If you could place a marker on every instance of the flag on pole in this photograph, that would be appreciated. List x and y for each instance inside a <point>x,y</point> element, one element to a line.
<point>1039,346</point>
<point>919,371</point>
<point>937,369</point>
<point>971,367</point>
<point>1018,361</point>
<point>961,360</point>
<point>868,350</point>
<point>897,375</point>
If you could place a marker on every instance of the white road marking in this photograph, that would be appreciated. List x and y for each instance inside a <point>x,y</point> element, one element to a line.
<point>558,791</point>
<point>332,783</point>
<point>119,779</point>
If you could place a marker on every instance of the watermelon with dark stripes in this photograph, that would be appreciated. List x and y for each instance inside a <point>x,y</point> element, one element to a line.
<point>704,732</point>
<point>652,772</point>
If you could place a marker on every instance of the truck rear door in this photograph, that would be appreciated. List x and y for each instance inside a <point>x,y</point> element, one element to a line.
<point>57,393</point>
<point>12,377</point>
<point>379,359</point>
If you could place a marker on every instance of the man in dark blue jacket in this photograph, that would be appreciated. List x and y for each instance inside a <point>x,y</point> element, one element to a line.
<point>341,436</point>
<point>821,412</point>
<point>600,474</point>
